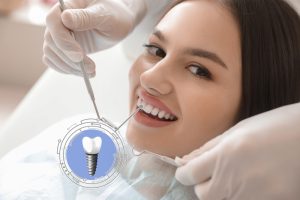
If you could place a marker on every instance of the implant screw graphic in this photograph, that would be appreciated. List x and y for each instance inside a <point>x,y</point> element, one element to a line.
<point>91,148</point>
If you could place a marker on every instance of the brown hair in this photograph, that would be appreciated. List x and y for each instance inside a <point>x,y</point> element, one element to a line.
<point>270,43</point>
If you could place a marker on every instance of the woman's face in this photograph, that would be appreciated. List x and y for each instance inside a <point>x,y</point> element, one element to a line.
<point>188,80</point>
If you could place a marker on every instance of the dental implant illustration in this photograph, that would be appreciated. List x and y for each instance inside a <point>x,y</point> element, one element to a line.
<point>91,148</point>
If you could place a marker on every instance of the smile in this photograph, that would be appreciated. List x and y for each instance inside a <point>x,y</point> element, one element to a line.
<point>155,112</point>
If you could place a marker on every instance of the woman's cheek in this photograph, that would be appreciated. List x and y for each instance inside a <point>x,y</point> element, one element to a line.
<point>133,75</point>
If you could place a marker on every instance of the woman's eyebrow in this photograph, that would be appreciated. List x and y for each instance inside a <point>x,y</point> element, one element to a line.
<point>159,34</point>
<point>194,52</point>
<point>206,54</point>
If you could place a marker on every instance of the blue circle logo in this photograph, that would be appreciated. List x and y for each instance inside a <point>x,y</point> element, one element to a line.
<point>92,153</point>
<point>77,157</point>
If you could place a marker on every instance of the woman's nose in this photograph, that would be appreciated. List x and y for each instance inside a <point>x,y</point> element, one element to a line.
<point>155,80</point>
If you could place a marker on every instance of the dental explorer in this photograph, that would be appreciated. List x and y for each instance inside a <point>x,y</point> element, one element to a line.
<point>85,76</point>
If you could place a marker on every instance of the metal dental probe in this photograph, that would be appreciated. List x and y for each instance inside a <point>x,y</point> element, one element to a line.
<point>128,118</point>
<point>85,77</point>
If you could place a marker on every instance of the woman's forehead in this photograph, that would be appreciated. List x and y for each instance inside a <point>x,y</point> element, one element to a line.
<point>198,15</point>
<point>203,24</point>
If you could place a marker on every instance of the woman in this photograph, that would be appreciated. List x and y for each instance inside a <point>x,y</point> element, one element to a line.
<point>195,80</point>
<point>223,49</point>
<point>191,70</point>
<point>210,65</point>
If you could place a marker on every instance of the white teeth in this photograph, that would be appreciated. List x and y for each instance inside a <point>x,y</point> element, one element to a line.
<point>161,114</point>
<point>167,116</point>
<point>155,111</point>
<point>148,108</point>
<point>143,105</point>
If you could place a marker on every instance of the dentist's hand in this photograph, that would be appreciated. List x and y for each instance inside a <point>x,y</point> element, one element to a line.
<point>256,159</point>
<point>98,24</point>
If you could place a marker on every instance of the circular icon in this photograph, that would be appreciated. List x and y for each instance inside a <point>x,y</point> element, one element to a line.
<point>92,153</point>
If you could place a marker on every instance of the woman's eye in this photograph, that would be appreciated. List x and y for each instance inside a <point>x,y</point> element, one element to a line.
<point>154,50</point>
<point>200,71</point>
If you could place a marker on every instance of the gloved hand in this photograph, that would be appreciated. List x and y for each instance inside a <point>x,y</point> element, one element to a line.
<point>98,24</point>
<point>256,159</point>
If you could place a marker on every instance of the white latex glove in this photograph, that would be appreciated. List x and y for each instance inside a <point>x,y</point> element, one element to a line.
<point>98,24</point>
<point>257,159</point>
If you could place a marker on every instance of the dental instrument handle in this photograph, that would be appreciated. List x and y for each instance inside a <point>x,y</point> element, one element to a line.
<point>85,76</point>
<point>89,88</point>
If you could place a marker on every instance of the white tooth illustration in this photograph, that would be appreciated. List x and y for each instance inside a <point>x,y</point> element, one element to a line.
<point>91,148</point>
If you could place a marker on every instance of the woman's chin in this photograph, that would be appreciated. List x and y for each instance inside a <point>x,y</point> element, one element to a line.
<point>135,140</point>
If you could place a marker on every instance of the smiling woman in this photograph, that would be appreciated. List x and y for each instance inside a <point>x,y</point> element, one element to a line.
<point>208,65</point>
<point>190,71</point>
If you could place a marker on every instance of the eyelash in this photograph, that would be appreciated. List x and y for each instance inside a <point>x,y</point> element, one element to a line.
<point>150,48</point>
<point>200,71</point>
<point>195,69</point>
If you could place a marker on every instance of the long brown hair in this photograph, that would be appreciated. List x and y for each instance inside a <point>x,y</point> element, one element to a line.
<point>270,39</point>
